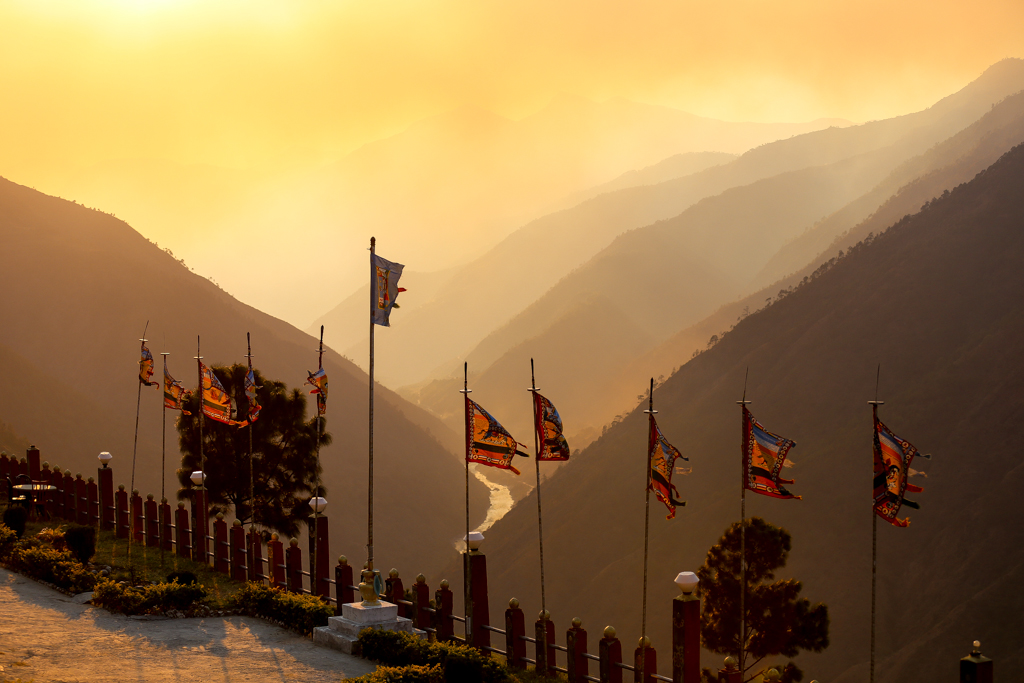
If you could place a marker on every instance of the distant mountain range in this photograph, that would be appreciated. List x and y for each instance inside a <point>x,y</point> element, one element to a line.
<point>936,301</point>
<point>80,288</point>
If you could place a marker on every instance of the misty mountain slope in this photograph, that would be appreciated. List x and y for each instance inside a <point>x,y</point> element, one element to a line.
<point>526,264</point>
<point>937,301</point>
<point>942,168</point>
<point>84,286</point>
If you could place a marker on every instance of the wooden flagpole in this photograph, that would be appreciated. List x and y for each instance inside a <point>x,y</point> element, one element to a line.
<point>163,455</point>
<point>743,528</point>
<point>135,445</point>
<point>651,412</point>
<point>874,534</point>
<point>316,491</point>
<point>202,457</point>
<point>536,450</point>
<point>369,502</point>
<point>466,391</point>
<point>248,408</point>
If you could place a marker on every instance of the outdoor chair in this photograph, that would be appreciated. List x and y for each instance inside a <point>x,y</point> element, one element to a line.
<point>15,497</point>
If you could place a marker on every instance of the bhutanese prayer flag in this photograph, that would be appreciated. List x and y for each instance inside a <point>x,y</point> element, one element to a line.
<point>318,380</point>
<point>893,456</point>
<point>250,395</point>
<point>174,393</point>
<point>146,367</point>
<point>662,457</point>
<point>764,455</point>
<point>217,405</point>
<point>385,289</point>
<point>488,442</point>
<point>548,424</point>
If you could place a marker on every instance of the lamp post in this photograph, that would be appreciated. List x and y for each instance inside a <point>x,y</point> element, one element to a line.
<point>686,630</point>
<point>202,525</point>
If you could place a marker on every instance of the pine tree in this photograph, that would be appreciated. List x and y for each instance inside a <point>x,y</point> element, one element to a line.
<point>284,454</point>
<point>778,621</point>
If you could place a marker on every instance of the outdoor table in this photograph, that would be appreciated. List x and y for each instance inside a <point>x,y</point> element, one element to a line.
<point>35,490</point>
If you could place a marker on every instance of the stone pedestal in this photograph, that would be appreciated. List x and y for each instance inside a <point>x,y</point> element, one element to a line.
<point>342,633</point>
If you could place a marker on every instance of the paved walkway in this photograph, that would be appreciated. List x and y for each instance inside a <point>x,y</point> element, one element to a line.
<point>46,636</point>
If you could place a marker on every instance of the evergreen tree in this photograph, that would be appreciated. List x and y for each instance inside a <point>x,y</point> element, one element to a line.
<point>283,454</point>
<point>778,621</point>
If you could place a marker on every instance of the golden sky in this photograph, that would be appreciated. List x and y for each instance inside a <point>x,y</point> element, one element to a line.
<point>254,82</point>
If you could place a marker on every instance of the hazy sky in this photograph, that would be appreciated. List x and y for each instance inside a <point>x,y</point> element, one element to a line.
<point>253,82</point>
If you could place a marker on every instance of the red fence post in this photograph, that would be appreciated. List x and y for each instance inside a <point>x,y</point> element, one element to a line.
<point>81,501</point>
<point>200,528</point>
<point>239,568</point>
<point>152,522</point>
<point>138,520</point>
<point>342,581</point>
<point>320,559</point>
<point>444,627</point>
<point>105,475</point>
<point>121,503</point>
<point>731,673</point>
<point>576,644</point>
<point>396,592</point>
<point>4,465</point>
<point>293,568</point>
<point>32,454</point>
<point>220,545</point>
<point>182,535</point>
<point>421,600</point>
<point>46,476</point>
<point>254,555</point>
<point>515,630</point>
<point>164,513</point>
<point>610,654</point>
<point>478,636</point>
<point>92,494</point>
<point>275,557</point>
<point>544,634</point>
<point>68,488</point>
<point>645,660</point>
<point>686,631</point>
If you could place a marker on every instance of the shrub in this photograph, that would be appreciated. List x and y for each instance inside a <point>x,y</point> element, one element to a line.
<point>458,662</point>
<point>81,541</point>
<point>405,674</point>
<point>182,577</point>
<point>8,538</point>
<point>301,612</point>
<point>154,598</point>
<point>54,536</point>
<point>15,518</point>
<point>54,566</point>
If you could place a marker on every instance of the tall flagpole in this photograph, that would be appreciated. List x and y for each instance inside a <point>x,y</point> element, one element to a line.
<point>874,536</point>
<point>163,456</point>
<point>466,391</point>
<point>536,450</point>
<point>202,457</point>
<point>369,501</point>
<point>651,412</point>
<point>248,409</point>
<point>135,445</point>
<point>316,492</point>
<point>743,528</point>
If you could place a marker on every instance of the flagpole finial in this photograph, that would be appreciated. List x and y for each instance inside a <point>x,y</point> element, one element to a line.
<point>650,401</point>
<point>465,379</point>
<point>165,353</point>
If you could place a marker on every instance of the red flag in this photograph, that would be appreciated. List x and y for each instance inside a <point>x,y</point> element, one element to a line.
<point>893,456</point>
<point>764,455</point>
<point>548,424</point>
<point>488,442</point>
<point>662,456</point>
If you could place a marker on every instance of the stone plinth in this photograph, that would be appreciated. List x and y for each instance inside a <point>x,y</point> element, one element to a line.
<point>342,633</point>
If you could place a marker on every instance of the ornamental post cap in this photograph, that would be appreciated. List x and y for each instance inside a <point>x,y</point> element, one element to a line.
<point>90,480</point>
<point>163,499</point>
<point>120,487</point>
<point>46,465</point>
<point>444,583</point>
<point>220,516</point>
<point>644,642</point>
<point>576,622</point>
<point>544,615</point>
<point>772,675</point>
<point>473,540</point>
<point>730,663</point>
<point>393,573</point>
<point>609,632</point>
<point>78,475</point>
<point>513,603</point>
<point>342,560</point>
<point>149,496</point>
<point>237,522</point>
<point>420,578</point>
<point>135,492</point>
<point>687,582</point>
<point>294,542</point>
<point>181,504</point>
<point>67,472</point>
<point>273,537</point>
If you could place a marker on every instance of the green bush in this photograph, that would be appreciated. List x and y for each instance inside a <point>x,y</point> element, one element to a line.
<point>154,598</point>
<point>301,612</point>
<point>54,566</point>
<point>8,539</point>
<point>404,674</point>
<point>182,577</point>
<point>81,541</point>
<point>460,663</point>
<point>15,517</point>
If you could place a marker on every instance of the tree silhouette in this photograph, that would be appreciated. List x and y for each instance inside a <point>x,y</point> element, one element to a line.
<point>778,622</point>
<point>284,454</point>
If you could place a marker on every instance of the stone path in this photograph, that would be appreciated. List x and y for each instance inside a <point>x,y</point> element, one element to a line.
<point>46,636</point>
